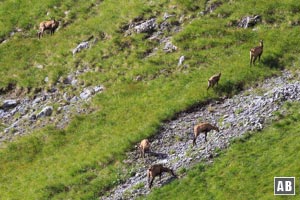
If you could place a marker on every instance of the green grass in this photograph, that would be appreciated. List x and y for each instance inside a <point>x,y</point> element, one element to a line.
<point>246,170</point>
<point>84,160</point>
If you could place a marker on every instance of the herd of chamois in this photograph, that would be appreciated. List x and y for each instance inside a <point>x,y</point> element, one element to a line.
<point>201,128</point>
<point>204,128</point>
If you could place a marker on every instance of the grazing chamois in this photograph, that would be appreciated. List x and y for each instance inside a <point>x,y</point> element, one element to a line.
<point>256,52</point>
<point>143,147</point>
<point>203,128</point>
<point>51,25</point>
<point>157,170</point>
<point>212,81</point>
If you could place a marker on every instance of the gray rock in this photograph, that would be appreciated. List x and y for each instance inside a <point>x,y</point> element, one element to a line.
<point>74,99</point>
<point>249,21</point>
<point>46,79</point>
<point>66,96</point>
<point>169,47</point>
<point>167,16</point>
<point>146,27</point>
<point>37,100</point>
<point>47,111</point>
<point>33,117</point>
<point>80,47</point>
<point>165,26</point>
<point>181,59</point>
<point>68,79</point>
<point>74,82</point>
<point>98,88</point>
<point>8,104</point>
<point>86,94</point>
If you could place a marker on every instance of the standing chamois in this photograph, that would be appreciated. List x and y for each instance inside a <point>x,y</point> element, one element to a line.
<point>203,128</point>
<point>157,170</point>
<point>256,52</point>
<point>214,80</point>
<point>51,25</point>
<point>143,147</point>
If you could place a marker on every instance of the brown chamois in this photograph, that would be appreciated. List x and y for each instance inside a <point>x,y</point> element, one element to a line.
<point>212,81</point>
<point>203,128</point>
<point>51,25</point>
<point>143,147</point>
<point>157,170</point>
<point>256,52</point>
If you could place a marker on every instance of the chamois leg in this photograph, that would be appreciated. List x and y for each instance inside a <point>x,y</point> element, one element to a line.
<point>205,136</point>
<point>254,60</point>
<point>209,85</point>
<point>151,182</point>
<point>194,141</point>
<point>142,153</point>
<point>40,34</point>
<point>172,172</point>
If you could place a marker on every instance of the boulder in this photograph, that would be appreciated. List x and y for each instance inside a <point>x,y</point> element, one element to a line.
<point>169,47</point>
<point>8,104</point>
<point>81,46</point>
<point>249,21</point>
<point>148,26</point>
<point>86,93</point>
<point>47,111</point>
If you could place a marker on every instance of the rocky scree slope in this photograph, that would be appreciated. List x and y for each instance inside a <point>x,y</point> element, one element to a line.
<point>21,114</point>
<point>172,146</point>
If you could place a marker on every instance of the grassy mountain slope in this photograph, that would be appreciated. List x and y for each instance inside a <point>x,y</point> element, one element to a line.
<point>84,159</point>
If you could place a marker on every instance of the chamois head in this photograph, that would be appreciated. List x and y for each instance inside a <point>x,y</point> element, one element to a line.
<point>261,43</point>
<point>217,129</point>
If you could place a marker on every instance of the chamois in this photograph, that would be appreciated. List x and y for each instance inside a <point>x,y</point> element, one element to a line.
<point>203,128</point>
<point>51,25</point>
<point>157,170</point>
<point>213,80</point>
<point>143,147</point>
<point>256,52</point>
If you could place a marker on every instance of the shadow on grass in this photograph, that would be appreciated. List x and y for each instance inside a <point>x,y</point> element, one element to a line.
<point>168,180</point>
<point>229,88</point>
<point>53,190</point>
<point>273,62</point>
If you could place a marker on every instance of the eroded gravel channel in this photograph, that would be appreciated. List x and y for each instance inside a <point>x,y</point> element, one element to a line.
<point>172,146</point>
